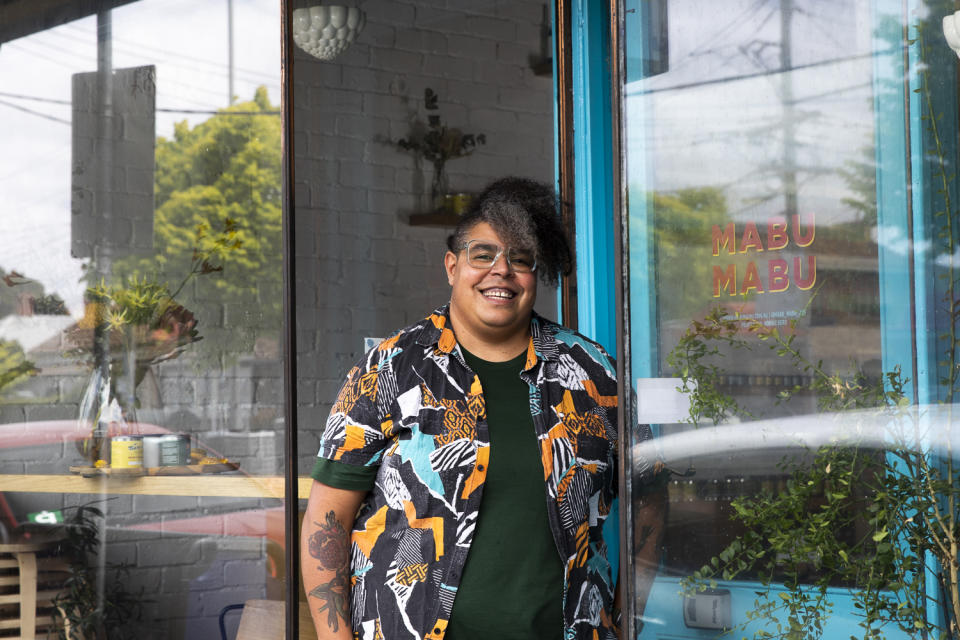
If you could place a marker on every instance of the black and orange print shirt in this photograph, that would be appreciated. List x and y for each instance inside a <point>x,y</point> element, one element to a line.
<point>415,410</point>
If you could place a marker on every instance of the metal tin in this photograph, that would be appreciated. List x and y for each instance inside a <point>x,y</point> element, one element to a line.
<point>151,451</point>
<point>173,450</point>
<point>126,452</point>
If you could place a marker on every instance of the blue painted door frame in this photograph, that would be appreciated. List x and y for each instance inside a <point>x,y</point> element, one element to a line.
<point>593,172</point>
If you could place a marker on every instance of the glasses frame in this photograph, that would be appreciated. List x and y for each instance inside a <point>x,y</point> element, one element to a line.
<point>501,251</point>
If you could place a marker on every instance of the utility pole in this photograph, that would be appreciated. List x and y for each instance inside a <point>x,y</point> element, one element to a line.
<point>230,94</point>
<point>102,258</point>
<point>789,114</point>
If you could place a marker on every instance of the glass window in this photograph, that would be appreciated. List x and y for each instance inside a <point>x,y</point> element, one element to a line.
<point>141,387</point>
<point>394,133</point>
<point>790,222</point>
<point>375,201</point>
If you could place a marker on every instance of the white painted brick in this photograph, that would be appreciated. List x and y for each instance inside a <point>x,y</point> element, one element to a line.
<point>540,122</point>
<point>471,47</point>
<point>473,8</point>
<point>360,126</point>
<point>387,106</point>
<point>312,72</point>
<point>344,247</point>
<point>448,67</point>
<point>493,120</point>
<point>317,171</point>
<point>413,184</point>
<point>337,199</point>
<point>327,100</point>
<point>494,28</point>
<point>529,33</point>
<point>514,53</point>
<point>365,225</point>
<point>441,20</point>
<point>327,146</point>
<point>390,12</point>
<point>379,34</point>
<point>498,74</point>
<point>389,203</point>
<point>421,40</point>
<point>365,175</point>
<point>368,80</point>
<point>385,152</point>
<point>394,60</point>
<point>523,100</point>
<point>528,12</point>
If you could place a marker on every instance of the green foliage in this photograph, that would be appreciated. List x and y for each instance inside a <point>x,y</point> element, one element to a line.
<point>684,220</point>
<point>14,367</point>
<point>218,201</point>
<point>694,362</point>
<point>87,610</point>
<point>435,142</point>
<point>855,516</point>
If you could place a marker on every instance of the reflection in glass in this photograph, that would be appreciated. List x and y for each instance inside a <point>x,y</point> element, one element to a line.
<point>767,178</point>
<point>141,403</point>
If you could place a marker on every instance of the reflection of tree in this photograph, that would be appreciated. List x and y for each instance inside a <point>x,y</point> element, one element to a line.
<point>14,367</point>
<point>13,285</point>
<point>861,178</point>
<point>684,220</point>
<point>226,168</point>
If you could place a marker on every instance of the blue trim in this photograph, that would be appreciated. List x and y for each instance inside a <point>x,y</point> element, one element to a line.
<point>892,197</point>
<point>556,123</point>
<point>595,251</point>
<point>640,231</point>
<point>932,318</point>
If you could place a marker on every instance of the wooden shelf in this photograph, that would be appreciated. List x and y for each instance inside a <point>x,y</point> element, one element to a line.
<point>434,219</point>
<point>207,485</point>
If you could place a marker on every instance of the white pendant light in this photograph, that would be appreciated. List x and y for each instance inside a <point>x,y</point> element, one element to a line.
<point>951,31</point>
<point>326,31</point>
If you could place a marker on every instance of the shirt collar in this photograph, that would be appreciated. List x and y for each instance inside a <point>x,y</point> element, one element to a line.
<point>436,333</point>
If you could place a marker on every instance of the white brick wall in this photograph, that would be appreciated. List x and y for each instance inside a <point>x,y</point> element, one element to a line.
<point>362,270</point>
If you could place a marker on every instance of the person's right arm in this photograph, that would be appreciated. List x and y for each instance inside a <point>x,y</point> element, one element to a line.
<point>325,558</point>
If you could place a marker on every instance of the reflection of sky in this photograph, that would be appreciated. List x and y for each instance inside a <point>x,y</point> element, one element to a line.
<point>716,117</point>
<point>186,40</point>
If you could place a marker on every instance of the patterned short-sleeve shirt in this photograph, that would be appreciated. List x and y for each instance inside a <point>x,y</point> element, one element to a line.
<point>413,408</point>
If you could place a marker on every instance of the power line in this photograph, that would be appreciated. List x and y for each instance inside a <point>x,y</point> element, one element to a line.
<point>139,48</point>
<point>215,112</point>
<point>34,113</point>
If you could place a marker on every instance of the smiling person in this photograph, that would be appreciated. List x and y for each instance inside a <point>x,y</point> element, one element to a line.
<point>469,463</point>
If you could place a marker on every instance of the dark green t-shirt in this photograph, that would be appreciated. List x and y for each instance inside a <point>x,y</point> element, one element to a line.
<point>512,584</point>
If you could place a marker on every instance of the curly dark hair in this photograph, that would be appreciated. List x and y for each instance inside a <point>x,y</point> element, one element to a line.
<point>525,214</point>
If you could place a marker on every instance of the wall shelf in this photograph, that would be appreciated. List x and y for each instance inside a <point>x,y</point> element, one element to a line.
<point>434,219</point>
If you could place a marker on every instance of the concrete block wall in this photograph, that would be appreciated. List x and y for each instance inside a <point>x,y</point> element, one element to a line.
<point>362,269</point>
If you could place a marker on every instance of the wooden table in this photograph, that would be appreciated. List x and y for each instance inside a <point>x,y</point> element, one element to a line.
<point>224,486</point>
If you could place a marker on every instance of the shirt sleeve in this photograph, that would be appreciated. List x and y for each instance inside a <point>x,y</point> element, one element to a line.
<point>360,428</point>
<point>344,476</point>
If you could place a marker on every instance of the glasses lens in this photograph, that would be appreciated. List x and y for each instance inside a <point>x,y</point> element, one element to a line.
<point>482,255</point>
<point>521,260</point>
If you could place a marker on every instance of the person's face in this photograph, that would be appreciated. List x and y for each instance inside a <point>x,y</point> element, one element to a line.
<point>495,303</point>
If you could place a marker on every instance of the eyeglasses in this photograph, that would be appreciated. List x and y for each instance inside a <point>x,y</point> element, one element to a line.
<point>483,255</point>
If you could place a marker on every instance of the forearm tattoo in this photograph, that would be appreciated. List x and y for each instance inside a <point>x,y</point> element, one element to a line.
<point>330,545</point>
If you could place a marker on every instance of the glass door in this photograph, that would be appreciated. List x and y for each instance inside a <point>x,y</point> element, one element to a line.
<point>789,250</point>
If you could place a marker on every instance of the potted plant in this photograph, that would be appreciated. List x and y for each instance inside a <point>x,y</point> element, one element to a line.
<point>437,143</point>
<point>126,329</point>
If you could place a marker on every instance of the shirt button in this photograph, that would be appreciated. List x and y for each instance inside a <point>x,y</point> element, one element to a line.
<point>437,631</point>
<point>480,467</point>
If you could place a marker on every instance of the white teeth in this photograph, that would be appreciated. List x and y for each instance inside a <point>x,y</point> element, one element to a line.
<point>499,293</point>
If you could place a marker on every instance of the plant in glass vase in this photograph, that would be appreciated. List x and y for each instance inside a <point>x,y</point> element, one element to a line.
<point>437,143</point>
<point>129,327</point>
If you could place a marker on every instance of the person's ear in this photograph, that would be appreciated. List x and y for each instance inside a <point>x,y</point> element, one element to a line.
<point>450,264</point>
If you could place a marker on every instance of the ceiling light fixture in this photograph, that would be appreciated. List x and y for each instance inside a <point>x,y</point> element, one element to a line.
<point>326,31</point>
